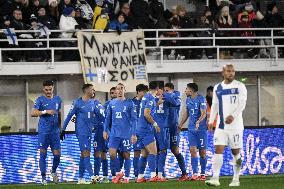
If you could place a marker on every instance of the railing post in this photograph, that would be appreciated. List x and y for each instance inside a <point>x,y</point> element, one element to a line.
<point>1,59</point>
<point>162,55</point>
<point>274,62</point>
<point>272,36</point>
<point>51,65</point>
<point>47,44</point>
<point>214,39</point>
<point>217,62</point>
<point>157,38</point>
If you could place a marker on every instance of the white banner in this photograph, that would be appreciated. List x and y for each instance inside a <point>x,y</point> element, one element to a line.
<point>108,59</point>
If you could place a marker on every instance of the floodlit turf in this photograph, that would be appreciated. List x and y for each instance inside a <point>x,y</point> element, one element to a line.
<point>247,182</point>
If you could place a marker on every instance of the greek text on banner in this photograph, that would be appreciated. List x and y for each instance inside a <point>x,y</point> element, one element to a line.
<point>108,59</point>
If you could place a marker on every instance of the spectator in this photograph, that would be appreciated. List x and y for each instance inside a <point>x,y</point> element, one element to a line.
<point>246,23</point>
<point>46,20</point>
<point>5,23</point>
<point>125,9</point>
<point>65,3</point>
<point>157,14</point>
<point>18,24</point>
<point>68,22</point>
<point>250,12</point>
<point>184,22</point>
<point>119,24</point>
<point>6,7</point>
<point>224,20</point>
<point>101,17</point>
<point>275,20</point>
<point>141,14</point>
<point>207,21</point>
<point>172,53</point>
<point>54,10</point>
<point>35,25</point>
<point>82,22</point>
<point>34,7</point>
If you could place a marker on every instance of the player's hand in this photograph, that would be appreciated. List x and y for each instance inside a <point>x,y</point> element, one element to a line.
<point>62,135</point>
<point>197,125</point>
<point>105,135</point>
<point>161,101</point>
<point>180,126</point>
<point>210,127</point>
<point>133,139</point>
<point>157,128</point>
<point>50,112</point>
<point>229,119</point>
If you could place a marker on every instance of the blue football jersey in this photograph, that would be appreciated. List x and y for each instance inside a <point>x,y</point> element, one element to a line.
<point>194,107</point>
<point>48,123</point>
<point>161,114</point>
<point>173,101</point>
<point>85,112</point>
<point>137,105</point>
<point>149,102</point>
<point>121,118</point>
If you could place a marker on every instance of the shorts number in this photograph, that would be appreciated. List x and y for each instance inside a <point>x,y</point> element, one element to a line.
<point>174,138</point>
<point>201,142</point>
<point>126,143</point>
<point>233,99</point>
<point>236,138</point>
<point>118,115</point>
<point>95,144</point>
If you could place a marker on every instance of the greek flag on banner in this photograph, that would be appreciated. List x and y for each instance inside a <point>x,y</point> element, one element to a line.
<point>11,36</point>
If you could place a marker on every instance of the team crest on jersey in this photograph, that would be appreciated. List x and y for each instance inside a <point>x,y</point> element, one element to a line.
<point>233,91</point>
<point>56,106</point>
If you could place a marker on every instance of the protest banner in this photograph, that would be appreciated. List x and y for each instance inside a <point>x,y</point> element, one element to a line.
<point>109,58</point>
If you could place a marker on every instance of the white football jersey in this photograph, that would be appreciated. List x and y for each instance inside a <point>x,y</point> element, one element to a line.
<point>229,99</point>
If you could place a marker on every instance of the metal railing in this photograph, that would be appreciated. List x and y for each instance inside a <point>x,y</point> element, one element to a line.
<point>154,39</point>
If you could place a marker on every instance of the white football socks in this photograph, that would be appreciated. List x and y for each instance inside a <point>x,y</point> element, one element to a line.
<point>217,164</point>
<point>236,167</point>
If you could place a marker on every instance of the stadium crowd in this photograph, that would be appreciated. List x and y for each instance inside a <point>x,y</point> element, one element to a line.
<point>128,15</point>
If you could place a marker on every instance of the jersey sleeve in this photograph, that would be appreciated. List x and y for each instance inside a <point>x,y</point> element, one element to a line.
<point>214,106</point>
<point>100,112</point>
<point>150,103</point>
<point>172,98</point>
<point>133,119</point>
<point>203,104</point>
<point>242,101</point>
<point>72,111</point>
<point>108,115</point>
<point>59,103</point>
<point>37,104</point>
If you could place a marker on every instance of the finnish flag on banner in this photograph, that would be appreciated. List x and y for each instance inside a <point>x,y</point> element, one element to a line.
<point>44,31</point>
<point>11,36</point>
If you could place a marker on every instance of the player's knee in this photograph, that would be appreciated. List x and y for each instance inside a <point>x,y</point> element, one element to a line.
<point>202,153</point>
<point>137,153</point>
<point>103,156</point>
<point>126,155</point>
<point>57,152</point>
<point>97,154</point>
<point>175,150</point>
<point>42,151</point>
<point>163,151</point>
<point>85,153</point>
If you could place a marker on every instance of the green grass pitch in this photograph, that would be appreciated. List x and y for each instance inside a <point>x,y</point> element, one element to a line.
<point>247,182</point>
